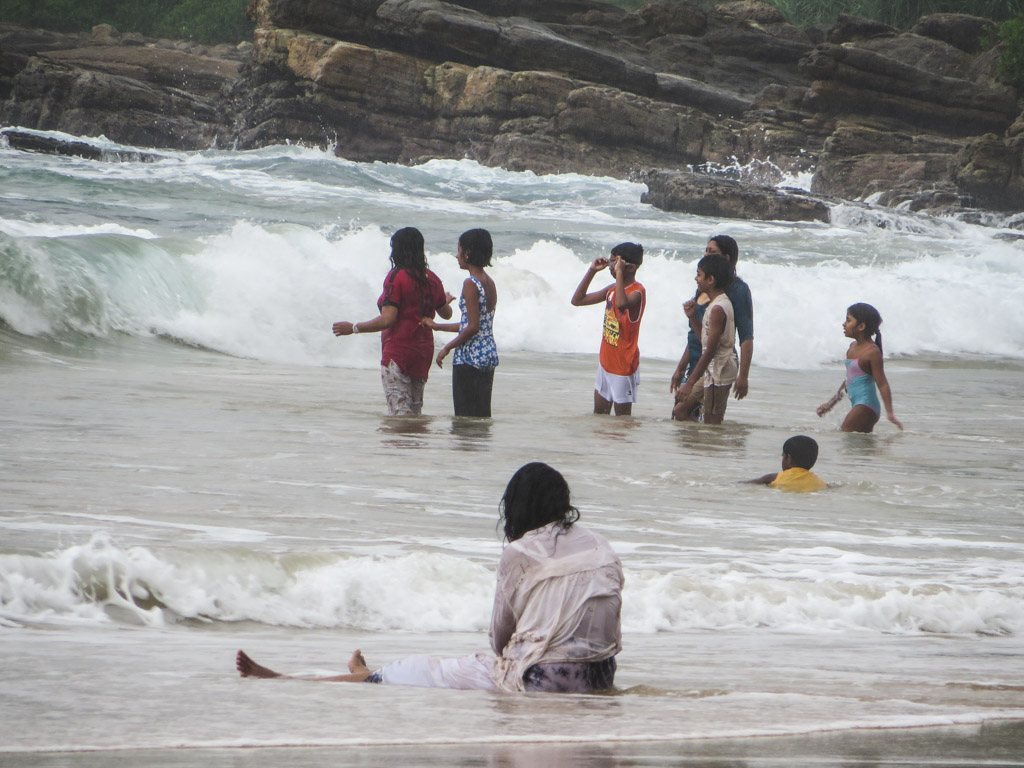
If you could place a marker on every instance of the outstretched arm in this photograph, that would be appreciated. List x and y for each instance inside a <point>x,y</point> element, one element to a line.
<point>433,325</point>
<point>387,317</point>
<point>445,310</point>
<point>829,404</point>
<point>764,479</point>
<point>472,299</point>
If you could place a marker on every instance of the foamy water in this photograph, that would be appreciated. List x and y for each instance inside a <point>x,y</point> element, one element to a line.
<point>255,254</point>
<point>190,463</point>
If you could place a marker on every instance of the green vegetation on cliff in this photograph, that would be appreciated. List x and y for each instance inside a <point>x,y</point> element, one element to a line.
<point>901,14</point>
<point>215,21</point>
<point>206,21</point>
<point>896,13</point>
<point>1011,62</point>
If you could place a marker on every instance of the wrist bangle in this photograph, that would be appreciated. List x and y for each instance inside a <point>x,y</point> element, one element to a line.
<point>355,328</point>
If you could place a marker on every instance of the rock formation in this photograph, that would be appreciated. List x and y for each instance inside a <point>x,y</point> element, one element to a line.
<point>915,118</point>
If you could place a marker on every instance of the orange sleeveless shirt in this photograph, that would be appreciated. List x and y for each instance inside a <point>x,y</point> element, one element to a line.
<point>620,353</point>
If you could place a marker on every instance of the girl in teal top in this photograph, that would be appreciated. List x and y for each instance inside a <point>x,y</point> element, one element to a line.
<point>864,372</point>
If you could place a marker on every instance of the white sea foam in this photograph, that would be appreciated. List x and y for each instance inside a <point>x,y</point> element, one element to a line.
<point>98,581</point>
<point>235,281</point>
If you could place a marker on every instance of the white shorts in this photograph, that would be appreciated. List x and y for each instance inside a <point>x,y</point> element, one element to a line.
<point>616,389</point>
<point>466,673</point>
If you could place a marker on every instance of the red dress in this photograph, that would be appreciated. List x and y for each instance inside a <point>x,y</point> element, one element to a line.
<point>407,343</point>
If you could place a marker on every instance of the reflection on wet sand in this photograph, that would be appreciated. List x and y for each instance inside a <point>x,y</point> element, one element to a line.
<point>471,434</point>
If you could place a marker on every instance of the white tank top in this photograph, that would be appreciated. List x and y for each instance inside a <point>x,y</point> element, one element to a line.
<point>723,366</point>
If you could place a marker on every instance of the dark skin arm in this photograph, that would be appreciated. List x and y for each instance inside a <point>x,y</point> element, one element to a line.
<point>677,374</point>
<point>829,404</point>
<point>871,364</point>
<point>581,298</point>
<point>445,310</point>
<point>624,302</point>
<point>716,328</point>
<point>740,387</point>
<point>387,318</point>
<point>472,299</point>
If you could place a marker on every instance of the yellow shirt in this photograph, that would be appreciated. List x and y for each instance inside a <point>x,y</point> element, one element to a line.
<point>798,480</point>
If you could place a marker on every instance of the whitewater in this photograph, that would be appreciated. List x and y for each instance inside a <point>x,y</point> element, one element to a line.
<point>191,463</point>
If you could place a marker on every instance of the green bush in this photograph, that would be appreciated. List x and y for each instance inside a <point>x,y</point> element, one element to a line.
<point>207,21</point>
<point>897,13</point>
<point>1011,59</point>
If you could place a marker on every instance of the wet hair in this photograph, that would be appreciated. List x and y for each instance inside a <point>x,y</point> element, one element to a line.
<point>407,250</point>
<point>478,247</point>
<point>728,247</point>
<point>865,313</point>
<point>631,252</point>
<point>718,268</point>
<point>802,451</point>
<point>536,495</point>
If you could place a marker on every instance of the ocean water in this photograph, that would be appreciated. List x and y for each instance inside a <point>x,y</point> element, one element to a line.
<point>191,463</point>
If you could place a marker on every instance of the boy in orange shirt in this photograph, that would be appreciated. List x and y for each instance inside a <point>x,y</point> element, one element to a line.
<point>624,300</point>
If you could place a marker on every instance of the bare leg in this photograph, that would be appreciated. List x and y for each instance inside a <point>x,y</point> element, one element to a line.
<point>357,664</point>
<point>860,419</point>
<point>601,405</point>
<point>716,400</point>
<point>358,671</point>
<point>248,668</point>
<point>623,409</point>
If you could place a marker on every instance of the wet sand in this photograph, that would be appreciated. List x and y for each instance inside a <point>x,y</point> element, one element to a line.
<point>993,745</point>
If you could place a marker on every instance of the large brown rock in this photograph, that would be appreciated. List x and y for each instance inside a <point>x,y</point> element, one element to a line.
<point>968,33</point>
<point>557,86</point>
<point>149,96</point>
<point>706,195</point>
<point>849,80</point>
<point>991,171</point>
<point>858,162</point>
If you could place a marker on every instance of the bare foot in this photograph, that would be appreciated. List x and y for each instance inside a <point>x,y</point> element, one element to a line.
<point>357,664</point>
<point>248,668</point>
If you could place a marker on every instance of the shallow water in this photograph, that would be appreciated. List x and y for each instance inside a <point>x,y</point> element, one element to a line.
<point>190,463</point>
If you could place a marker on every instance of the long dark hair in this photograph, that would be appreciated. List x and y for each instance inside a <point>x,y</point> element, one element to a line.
<point>728,247</point>
<point>408,253</point>
<point>865,313</point>
<point>536,495</point>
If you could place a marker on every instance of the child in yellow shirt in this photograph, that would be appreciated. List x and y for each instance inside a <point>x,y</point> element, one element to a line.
<point>798,456</point>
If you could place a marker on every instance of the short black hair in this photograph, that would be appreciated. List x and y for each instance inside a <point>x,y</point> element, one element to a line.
<point>478,246</point>
<point>631,252</point>
<point>802,451</point>
<point>536,495</point>
<point>718,268</point>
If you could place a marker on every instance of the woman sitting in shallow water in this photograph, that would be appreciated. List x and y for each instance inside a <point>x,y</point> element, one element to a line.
<point>555,625</point>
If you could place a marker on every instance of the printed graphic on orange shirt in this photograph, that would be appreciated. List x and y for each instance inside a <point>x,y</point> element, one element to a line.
<point>611,328</point>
